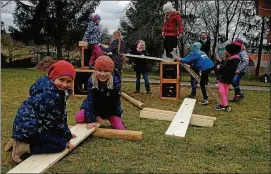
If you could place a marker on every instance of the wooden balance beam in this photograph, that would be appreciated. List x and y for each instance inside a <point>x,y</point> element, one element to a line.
<point>196,120</point>
<point>135,102</point>
<point>39,163</point>
<point>180,122</point>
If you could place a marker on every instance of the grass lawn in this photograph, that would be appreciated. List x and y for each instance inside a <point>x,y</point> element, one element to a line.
<point>238,142</point>
<point>247,80</point>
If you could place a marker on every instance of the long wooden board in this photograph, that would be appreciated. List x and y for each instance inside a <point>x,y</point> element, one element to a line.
<point>174,113</point>
<point>181,120</point>
<point>39,163</point>
<point>196,120</point>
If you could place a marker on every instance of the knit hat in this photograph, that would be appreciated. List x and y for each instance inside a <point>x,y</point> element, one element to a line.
<point>104,63</point>
<point>95,17</point>
<point>167,7</point>
<point>232,49</point>
<point>238,42</point>
<point>61,68</point>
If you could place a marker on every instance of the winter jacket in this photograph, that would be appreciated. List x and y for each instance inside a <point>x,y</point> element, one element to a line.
<point>205,46</point>
<point>173,25</point>
<point>102,101</point>
<point>117,55</point>
<point>244,60</point>
<point>198,59</point>
<point>141,65</point>
<point>44,110</point>
<point>228,69</point>
<point>92,34</point>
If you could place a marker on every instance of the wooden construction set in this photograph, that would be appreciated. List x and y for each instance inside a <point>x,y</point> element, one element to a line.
<point>169,89</point>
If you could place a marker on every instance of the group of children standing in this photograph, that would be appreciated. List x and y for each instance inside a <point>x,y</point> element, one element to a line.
<point>229,70</point>
<point>118,49</point>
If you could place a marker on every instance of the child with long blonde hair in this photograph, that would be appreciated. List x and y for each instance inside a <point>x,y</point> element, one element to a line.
<point>103,96</point>
<point>118,50</point>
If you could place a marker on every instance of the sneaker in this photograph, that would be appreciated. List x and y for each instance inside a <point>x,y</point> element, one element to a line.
<point>227,108</point>
<point>241,97</point>
<point>190,96</point>
<point>219,108</point>
<point>235,99</point>
<point>204,102</point>
<point>148,92</point>
<point>216,84</point>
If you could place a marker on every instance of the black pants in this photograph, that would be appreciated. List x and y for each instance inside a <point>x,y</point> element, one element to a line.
<point>204,78</point>
<point>170,42</point>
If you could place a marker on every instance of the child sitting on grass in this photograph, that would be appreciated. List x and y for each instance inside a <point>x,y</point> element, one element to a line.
<point>40,125</point>
<point>103,96</point>
<point>227,71</point>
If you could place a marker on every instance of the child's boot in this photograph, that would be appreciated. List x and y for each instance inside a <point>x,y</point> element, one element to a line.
<point>19,148</point>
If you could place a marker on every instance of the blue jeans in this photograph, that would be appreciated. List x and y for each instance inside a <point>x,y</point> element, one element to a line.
<point>47,142</point>
<point>194,83</point>
<point>146,79</point>
<point>235,83</point>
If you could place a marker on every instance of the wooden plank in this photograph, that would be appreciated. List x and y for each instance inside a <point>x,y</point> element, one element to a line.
<point>196,120</point>
<point>135,102</point>
<point>181,120</point>
<point>174,113</point>
<point>39,163</point>
<point>121,134</point>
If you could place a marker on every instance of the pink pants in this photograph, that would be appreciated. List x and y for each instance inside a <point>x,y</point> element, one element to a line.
<point>115,121</point>
<point>223,93</point>
<point>96,52</point>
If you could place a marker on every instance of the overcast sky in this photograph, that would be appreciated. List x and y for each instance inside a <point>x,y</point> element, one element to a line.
<point>110,12</point>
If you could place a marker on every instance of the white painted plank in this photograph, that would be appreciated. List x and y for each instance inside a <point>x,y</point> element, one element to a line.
<point>174,113</point>
<point>196,120</point>
<point>181,121</point>
<point>39,163</point>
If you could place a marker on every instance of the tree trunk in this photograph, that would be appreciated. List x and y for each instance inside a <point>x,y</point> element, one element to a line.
<point>260,49</point>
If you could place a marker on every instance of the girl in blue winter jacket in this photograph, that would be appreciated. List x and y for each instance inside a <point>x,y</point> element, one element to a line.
<point>103,96</point>
<point>40,125</point>
<point>201,63</point>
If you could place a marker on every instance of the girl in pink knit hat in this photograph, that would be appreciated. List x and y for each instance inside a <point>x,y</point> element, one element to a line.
<point>103,99</point>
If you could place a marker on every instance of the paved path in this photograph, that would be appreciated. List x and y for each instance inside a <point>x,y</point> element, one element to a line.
<point>252,88</point>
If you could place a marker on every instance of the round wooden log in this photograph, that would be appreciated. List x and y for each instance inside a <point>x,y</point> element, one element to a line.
<point>133,101</point>
<point>115,133</point>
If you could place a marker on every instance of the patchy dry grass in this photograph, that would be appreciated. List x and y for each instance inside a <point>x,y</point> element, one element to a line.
<point>239,141</point>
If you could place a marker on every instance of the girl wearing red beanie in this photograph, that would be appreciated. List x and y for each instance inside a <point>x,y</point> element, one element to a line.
<point>40,125</point>
<point>103,99</point>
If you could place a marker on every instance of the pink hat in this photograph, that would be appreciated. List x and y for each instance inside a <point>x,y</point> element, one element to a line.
<point>238,42</point>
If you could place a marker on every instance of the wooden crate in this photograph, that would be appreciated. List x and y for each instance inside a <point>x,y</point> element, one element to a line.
<point>80,82</point>
<point>169,80</point>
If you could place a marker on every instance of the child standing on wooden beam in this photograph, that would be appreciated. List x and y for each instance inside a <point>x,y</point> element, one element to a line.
<point>40,125</point>
<point>203,64</point>
<point>141,65</point>
<point>118,49</point>
<point>93,37</point>
<point>103,96</point>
